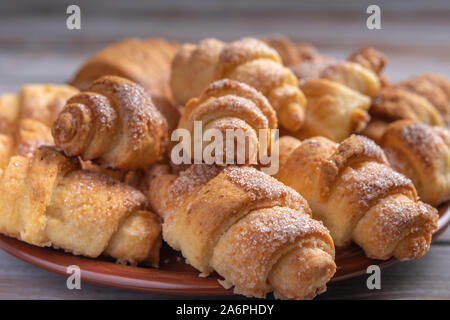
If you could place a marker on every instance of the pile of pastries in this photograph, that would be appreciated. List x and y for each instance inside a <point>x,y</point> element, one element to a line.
<point>87,167</point>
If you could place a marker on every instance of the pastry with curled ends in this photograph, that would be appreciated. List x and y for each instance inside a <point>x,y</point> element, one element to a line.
<point>248,60</point>
<point>371,59</point>
<point>251,229</point>
<point>422,153</point>
<point>433,89</point>
<point>52,202</point>
<point>228,105</point>
<point>396,103</point>
<point>113,123</point>
<point>334,110</point>
<point>353,190</point>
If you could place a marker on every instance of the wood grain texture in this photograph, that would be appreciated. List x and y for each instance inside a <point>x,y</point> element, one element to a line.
<point>35,46</point>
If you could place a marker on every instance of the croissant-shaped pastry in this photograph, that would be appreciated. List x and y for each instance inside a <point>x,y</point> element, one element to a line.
<point>334,110</point>
<point>371,59</point>
<point>146,62</point>
<point>231,105</point>
<point>251,229</point>
<point>352,189</point>
<point>114,123</point>
<point>422,153</point>
<point>431,91</point>
<point>248,60</point>
<point>51,202</point>
<point>292,53</point>
<point>395,103</point>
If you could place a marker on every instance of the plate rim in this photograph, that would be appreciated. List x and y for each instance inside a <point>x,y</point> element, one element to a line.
<point>110,274</point>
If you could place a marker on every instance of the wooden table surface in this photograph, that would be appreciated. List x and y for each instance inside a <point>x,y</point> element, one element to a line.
<point>35,46</point>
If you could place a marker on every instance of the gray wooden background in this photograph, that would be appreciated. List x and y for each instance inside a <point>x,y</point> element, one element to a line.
<point>35,46</point>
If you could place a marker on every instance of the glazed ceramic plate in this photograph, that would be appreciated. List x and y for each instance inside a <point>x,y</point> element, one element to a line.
<point>174,276</point>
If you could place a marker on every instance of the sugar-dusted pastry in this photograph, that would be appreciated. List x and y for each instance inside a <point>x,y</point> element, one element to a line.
<point>422,153</point>
<point>251,229</point>
<point>353,190</point>
<point>247,60</point>
<point>228,105</point>
<point>113,123</point>
<point>146,62</point>
<point>395,103</point>
<point>433,89</point>
<point>333,111</point>
<point>51,202</point>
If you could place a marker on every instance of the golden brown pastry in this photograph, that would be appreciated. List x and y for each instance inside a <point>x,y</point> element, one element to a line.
<point>395,103</point>
<point>430,90</point>
<point>9,113</point>
<point>352,189</point>
<point>51,202</point>
<point>146,62</point>
<point>43,102</point>
<point>27,116</point>
<point>30,136</point>
<point>354,76</point>
<point>422,153</point>
<point>114,123</point>
<point>228,105</point>
<point>249,61</point>
<point>6,150</point>
<point>292,53</point>
<point>334,110</point>
<point>249,228</point>
<point>371,59</point>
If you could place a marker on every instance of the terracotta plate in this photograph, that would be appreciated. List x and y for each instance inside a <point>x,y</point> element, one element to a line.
<point>174,276</point>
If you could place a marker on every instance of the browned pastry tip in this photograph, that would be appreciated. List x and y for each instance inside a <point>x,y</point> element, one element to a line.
<point>260,238</point>
<point>292,53</point>
<point>80,211</point>
<point>370,58</point>
<point>397,103</point>
<point>430,90</point>
<point>422,153</point>
<point>353,190</point>
<point>114,123</point>
<point>144,61</point>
